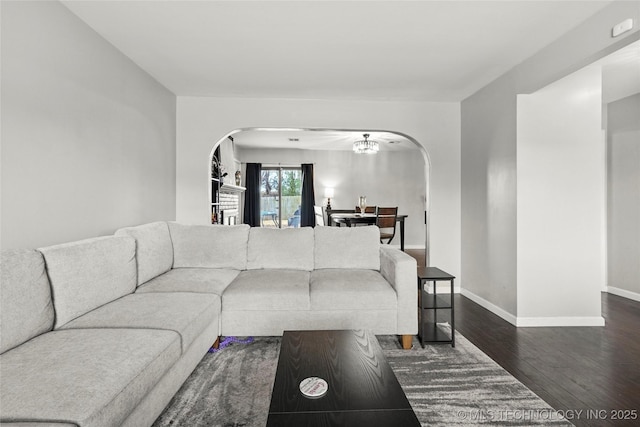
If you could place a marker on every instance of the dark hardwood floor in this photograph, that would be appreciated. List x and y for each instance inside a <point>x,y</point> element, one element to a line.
<point>595,370</point>
<point>572,369</point>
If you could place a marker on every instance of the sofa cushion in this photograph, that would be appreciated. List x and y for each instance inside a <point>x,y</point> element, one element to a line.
<point>204,280</point>
<point>90,377</point>
<point>89,273</point>
<point>154,250</point>
<point>209,246</point>
<point>348,289</point>
<point>26,309</point>
<point>188,314</point>
<point>288,248</point>
<point>347,247</point>
<point>268,290</point>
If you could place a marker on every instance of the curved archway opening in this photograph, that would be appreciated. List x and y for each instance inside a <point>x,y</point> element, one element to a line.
<point>395,176</point>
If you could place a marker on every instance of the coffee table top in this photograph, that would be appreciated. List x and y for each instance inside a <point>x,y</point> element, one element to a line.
<point>363,390</point>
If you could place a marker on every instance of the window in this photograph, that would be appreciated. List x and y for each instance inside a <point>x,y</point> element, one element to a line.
<point>280,197</point>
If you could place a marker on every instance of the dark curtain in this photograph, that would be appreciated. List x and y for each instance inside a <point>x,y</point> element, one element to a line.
<point>252,195</point>
<point>307,216</point>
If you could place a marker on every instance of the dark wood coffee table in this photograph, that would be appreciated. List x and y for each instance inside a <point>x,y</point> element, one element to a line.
<point>363,390</point>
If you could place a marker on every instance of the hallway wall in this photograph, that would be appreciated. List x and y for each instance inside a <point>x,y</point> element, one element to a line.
<point>489,167</point>
<point>623,185</point>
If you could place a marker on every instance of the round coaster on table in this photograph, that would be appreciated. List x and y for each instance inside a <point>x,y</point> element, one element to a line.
<point>314,387</point>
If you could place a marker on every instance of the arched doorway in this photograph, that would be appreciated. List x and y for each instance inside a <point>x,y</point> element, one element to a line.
<point>396,175</point>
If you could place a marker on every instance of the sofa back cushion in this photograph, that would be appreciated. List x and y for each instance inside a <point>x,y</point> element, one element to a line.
<point>89,273</point>
<point>347,247</point>
<point>287,248</point>
<point>209,246</point>
<point>154,250</point>
<point>26,309</point>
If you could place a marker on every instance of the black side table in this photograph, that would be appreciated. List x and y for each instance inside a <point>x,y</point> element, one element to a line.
<point>435,308</point>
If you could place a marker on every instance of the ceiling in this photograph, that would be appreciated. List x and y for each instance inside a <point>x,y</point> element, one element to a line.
<point>620,73</point>
<point>340,140</point>
<point>620,78</point>
<point>366,50</point>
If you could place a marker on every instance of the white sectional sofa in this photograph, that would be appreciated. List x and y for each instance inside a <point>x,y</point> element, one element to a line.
<point>104,331</point>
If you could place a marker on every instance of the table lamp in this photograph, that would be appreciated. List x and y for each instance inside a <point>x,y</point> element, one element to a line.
<point>328,193</point>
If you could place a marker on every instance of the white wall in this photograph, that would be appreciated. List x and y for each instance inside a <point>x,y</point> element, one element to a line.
<point>489,198</point>
<point>88,138</point>
<point>623,190</point>
<point>489,154</point>
<point>561,203</point>
<point>204,121</point>
<point>386,179</point>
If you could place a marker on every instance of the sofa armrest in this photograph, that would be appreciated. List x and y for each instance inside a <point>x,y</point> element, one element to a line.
<point>400,270</point>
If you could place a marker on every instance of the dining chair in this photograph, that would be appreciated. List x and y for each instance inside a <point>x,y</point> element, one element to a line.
<point>319,215</point>
<point>386,222</point>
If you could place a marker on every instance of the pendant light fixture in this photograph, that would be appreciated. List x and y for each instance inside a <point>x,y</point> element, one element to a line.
<point>366,146</point>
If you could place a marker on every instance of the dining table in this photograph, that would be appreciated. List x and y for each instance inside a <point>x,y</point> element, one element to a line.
<point>351,219</point>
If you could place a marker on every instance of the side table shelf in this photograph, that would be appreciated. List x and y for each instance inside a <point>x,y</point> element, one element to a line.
<point>435,309</point>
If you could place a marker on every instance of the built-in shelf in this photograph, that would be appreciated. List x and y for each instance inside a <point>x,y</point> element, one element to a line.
<point>229,188</point>
<point>225,197</point>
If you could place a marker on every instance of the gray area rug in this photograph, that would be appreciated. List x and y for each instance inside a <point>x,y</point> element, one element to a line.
<point>446,386</point>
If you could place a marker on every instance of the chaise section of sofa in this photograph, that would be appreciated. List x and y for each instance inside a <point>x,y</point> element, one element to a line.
<point>84,377</point>
<point>66,377</point>
<point>186,314</point>
<point>87,350</point>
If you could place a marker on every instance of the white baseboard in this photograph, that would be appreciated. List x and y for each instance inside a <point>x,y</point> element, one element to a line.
<point>442,287</point>
<point>489,306</point>
<point>529,322</point>
<point>538,322</point>
<point>623,293</point>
